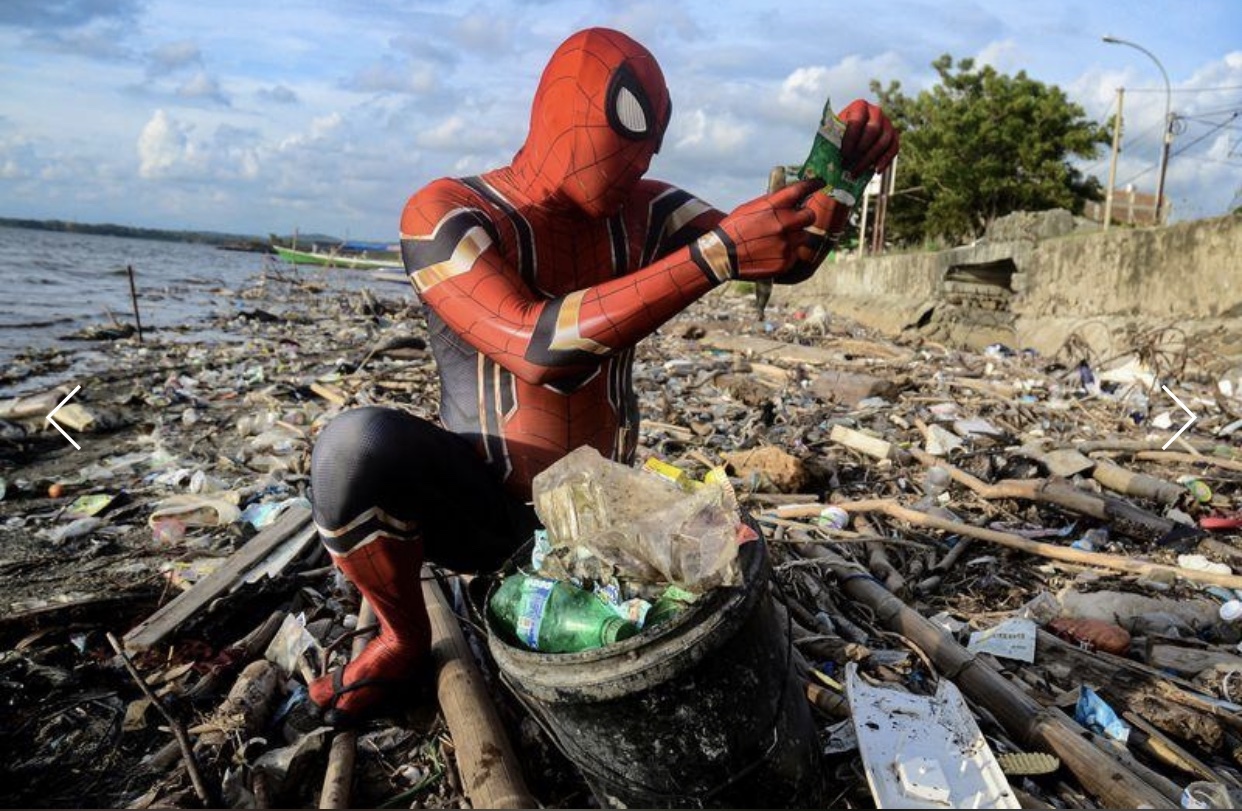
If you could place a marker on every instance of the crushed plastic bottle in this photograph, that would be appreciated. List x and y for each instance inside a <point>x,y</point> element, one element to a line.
<point>935,483</point>
<point>552,616</point>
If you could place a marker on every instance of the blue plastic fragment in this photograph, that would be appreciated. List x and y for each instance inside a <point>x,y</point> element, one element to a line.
<point>1095,714</point>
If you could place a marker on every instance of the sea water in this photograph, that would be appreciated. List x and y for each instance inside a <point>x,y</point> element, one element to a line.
<point>53,284</point>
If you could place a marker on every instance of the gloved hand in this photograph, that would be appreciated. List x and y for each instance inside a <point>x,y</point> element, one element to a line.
<point>759,239</point>
<point>870,143</point>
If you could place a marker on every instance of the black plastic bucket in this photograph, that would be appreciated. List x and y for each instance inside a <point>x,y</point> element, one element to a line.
<point>703,710</point>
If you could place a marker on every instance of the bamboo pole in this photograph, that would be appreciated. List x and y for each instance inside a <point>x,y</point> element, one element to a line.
<point>489,768</point>
<point>1035,726</point>
<point>133,297</point>
<point>1046,550</point>
<point>338,778</point>
<point>1139,485</point>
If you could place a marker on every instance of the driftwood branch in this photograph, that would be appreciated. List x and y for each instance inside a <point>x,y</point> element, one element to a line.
<point>1046,550</point>
<point>208,797</point>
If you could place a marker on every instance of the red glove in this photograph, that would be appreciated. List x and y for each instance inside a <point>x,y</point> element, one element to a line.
<point>870,142</point>
<point>869,145</point>
<point>759,239</point>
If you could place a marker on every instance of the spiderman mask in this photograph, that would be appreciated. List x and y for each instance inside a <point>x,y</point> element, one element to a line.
<point>598,118</point>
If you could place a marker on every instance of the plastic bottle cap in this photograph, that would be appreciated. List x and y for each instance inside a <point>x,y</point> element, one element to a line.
<point>1231,610</point>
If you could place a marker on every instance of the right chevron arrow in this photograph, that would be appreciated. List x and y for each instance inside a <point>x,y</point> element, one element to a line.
<point>1193,417</point>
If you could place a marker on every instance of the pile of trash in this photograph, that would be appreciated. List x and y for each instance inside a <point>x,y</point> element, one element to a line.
<point>1009,552</point>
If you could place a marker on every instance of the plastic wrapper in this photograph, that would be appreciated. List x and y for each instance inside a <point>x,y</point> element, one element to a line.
<point>1095,714</point>
<point>641,526</point>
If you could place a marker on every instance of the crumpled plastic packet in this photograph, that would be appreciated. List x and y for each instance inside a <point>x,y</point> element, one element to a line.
<point>644,526</point>
<point>1095,714</point>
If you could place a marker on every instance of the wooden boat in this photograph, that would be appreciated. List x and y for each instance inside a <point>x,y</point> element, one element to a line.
<point>341,256</point>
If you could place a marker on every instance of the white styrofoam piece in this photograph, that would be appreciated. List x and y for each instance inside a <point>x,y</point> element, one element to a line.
<point>921,751</point>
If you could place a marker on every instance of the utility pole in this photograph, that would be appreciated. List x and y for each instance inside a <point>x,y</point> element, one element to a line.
<point>1168,121</point>
<point>881,214</point>
<point>1161,208</point>
<point>862,226</point>
<point>1112,166</point>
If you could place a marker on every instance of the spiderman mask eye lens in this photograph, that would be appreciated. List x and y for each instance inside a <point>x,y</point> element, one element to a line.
<point>629,110</point>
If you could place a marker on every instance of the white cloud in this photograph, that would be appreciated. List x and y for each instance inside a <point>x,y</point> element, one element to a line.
<point>280,94</point>
<point>1004,55</point>
<point>483,30</point>
<point>803,92</point>
<point>162,145</point>
<point>711,135</point>
<point>202,86</point>
<point>172,56</point>
<point>389,75</point>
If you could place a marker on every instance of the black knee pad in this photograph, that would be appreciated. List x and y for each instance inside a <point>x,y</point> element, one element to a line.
<point>362,460</point>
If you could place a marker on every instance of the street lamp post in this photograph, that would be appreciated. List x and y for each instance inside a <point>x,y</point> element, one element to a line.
<point>1168,123</point>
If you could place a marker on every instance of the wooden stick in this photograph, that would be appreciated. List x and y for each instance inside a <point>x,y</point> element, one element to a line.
<point>490,774</point>
<point>338,778</point>
<point>1137,445</point>
<point>206,795</point>
<point>247,648</point>
<point>1189,458</point>
<point>877,559</point>
<point>1052,551</point>
<point>133,297</point>
<point>1122,515</point>
<point>1033,725</point>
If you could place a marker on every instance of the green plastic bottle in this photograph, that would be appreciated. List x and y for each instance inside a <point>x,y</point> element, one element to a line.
<point>825,161</point>
<point>671,603</point>
<point>552,616</point>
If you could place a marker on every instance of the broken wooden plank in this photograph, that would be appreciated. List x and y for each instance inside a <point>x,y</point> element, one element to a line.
<point>858,441</point>
<point>332,394</point>
<point>1063,462</point>
<point>1190,662</point>
<point>167,619</point>
<point>851,388</point>
<point>96,610</point>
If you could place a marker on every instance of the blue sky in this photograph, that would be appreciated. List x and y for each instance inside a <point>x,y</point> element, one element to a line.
<point>254,117</point>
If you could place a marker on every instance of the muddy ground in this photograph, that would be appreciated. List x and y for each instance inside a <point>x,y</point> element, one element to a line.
<point>235,421</point>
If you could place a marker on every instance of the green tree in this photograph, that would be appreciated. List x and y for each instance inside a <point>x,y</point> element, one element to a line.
<point>981,144</point>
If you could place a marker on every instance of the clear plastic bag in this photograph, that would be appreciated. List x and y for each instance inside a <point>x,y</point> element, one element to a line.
<point>644,526</point>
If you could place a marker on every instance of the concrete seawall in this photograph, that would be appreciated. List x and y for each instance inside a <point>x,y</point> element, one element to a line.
<point>1025,288</point>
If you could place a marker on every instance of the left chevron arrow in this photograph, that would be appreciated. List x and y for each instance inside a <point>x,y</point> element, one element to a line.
<point>56,425</point>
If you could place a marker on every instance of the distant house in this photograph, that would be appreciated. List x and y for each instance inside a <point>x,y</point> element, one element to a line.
<point>1129,208</point>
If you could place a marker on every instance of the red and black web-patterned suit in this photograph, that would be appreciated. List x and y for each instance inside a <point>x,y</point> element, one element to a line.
<point>539,278</point>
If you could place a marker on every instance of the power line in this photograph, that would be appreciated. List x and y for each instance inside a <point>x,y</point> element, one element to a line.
<point>1222,111</point>
<point>1205,158</point>
<point>1204,135</point>
<point>1183,89</point>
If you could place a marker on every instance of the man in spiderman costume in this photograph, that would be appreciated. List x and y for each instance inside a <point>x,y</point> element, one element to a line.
<point>539,278</point>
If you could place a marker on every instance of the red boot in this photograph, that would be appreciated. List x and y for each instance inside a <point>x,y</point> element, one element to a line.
<point>387,572</point>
